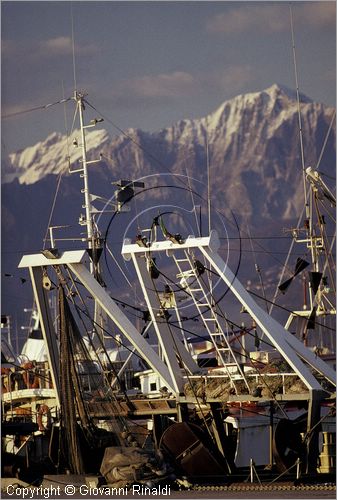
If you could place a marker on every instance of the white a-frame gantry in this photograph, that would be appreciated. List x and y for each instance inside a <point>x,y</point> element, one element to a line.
<point>292,350</point>
<point>175,355</point>
<point>76,262</point>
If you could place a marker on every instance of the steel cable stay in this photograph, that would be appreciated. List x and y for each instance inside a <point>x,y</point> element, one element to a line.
<point>136,193</point>
<point>306,436</point>
<point>271,254</point>
<point>273,303</point>
<point>258,270</point>
<point>36,108</point>
<point>298,103</point>
<point>112,218</point>
<point>324,146</point>
<point>156,290</point>
<point>259,297</point>
<point>128,136</point>
<point>236,225</point>
<point>186,371</point>
<point>245,330</point>
<point>160,163</point>
<point>206,308</point>
<point>123,203</point>
<point>187,375</point>
<point>59,178</point>
<point>254,367</point>
<point>108,333</point>
<point>125,304</point>
<point>109,395</point>
<point>174,341</point>
<point>102,346</point>
<point>121,302</point>
<point>287,310</point>
<point>86,313</point>
<point>192,318</point>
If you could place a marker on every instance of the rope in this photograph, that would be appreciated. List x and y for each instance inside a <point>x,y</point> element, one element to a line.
<point>325,141</point>
<point>258,371</point>
<point>185,370</point>
<point>286,309</point>
<point>43,106</point>
<point>59,177</point>
<point>283,473</point>
<point>258,270</point>
<point>119,267</point>
<point>285,266</point>
<point>94,324</point>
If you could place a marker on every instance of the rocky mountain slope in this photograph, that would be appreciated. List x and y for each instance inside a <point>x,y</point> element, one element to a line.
<point>253,146</point>
<point>254,164</point>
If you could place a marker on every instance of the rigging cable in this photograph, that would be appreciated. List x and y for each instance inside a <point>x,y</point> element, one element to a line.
<point>197,222</point>
<point>59,177</point>
<point>184,368</point>
<point>128,136</point>
<point>84,348</point>
<point>36,108</point>
<point>325,141</point>
<point>298,105</point>
<point>258,270</point>
<point>263,378</point>
<point>277,305</point>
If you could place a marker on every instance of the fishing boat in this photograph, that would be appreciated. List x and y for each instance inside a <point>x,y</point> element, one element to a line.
<point>165,400</point>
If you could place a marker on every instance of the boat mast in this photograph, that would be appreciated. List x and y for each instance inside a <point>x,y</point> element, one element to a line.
<point>91,238</point>
<point>87,205</point>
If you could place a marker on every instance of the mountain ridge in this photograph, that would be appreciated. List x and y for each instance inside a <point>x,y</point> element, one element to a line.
<point>222,128</point>
<point>254,165</point>
<point>253,147</point>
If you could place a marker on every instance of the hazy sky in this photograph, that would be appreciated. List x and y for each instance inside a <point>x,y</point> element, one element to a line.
<point>149,64</point>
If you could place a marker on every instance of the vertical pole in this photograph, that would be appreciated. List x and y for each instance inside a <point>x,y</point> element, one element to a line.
<point>87,206</point>
<point>86,192</point>
<point>52,242</point>
<point>48,332</point>
<point>312,430</point>
<point>251,465</point>
<point>298,462</point>
<point>208,180</point>
<point>271,434</point>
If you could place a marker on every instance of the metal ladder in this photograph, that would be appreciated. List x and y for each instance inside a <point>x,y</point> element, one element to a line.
<point>211,321</point>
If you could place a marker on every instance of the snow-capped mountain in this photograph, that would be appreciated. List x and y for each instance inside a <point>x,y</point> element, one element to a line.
<point>254,163</point>
<point>49,156</point>
<point>253,148</point>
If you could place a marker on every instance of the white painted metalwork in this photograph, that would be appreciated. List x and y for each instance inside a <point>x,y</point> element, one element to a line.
<point>291,349</point>
<point>213,323</point>
<point>172,347</point>
<point>289,346</point>
<point>38,259</point>
<point>122,322</point>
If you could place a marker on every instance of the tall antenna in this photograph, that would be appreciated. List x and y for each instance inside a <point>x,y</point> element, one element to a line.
<point>299,110</point>
<point>208,179</point>
<point>209,204</point>
<point>73,45</point>
<point>86,192</point>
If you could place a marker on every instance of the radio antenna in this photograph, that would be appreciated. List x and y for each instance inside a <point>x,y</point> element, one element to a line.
<point>298,110</point>
<point>208,179</point>
<point>73,45</point>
